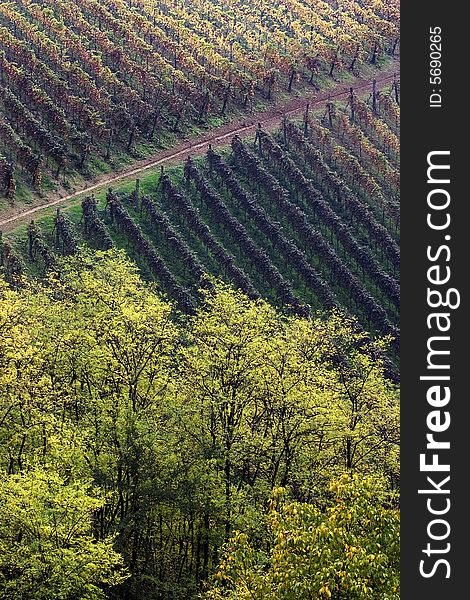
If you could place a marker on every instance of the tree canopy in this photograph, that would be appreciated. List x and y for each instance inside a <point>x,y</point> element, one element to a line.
<point>142,451</point>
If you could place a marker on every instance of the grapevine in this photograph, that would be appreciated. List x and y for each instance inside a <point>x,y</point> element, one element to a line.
<point>132,230</point>
<point>331,219</point>
<point>194,221</point>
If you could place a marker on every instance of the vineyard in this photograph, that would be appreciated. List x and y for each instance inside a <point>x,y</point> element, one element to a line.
<point>199,299</point>
<point>82,82</point>
<point>306,217</point>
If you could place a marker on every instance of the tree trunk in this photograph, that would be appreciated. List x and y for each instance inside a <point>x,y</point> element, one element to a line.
<point>227,471</point>
<point>374,96</point>
<point>205,547</point>
<point>291,80</point>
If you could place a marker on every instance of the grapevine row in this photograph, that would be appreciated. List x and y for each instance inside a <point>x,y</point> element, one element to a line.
<point>65,234</point>
<point>362,256</point>
<point>93,225</point>
<point>38,247</point>
<point>10,261</point>
<point>389,110</point>
<point>196,224</point>
<point>7,180</point>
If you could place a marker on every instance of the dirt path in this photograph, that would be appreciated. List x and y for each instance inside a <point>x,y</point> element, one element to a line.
<point>219,136</point>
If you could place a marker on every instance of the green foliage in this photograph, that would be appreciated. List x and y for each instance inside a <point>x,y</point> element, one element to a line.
<point>136,441</point>
<point>347,549</point>
<point>47,549</point>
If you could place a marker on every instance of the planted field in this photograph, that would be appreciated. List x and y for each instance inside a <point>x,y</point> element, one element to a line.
<point>85,82</point>
<point>306,217</point>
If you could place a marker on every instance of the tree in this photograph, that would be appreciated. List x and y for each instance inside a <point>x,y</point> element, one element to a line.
<point>47,549</point>
<point>348,549</point>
